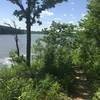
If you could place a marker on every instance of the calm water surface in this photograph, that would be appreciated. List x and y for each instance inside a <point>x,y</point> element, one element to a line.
<point>7,43</point>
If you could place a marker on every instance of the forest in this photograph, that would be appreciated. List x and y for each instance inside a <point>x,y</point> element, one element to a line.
<point>66,65</point>
<point>12,30</point>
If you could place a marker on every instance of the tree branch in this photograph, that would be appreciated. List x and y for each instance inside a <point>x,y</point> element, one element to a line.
<point>21,7</point>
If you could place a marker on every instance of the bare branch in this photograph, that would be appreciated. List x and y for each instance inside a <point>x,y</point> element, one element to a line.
<point>18,3</point>
<point>21,7</point>
<point>8,25</point>
<point>14,24</point>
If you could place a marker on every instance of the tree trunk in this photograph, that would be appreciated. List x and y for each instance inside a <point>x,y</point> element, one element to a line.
<point>28,49</point>
<point>17,46</point>
<point>28,26</point>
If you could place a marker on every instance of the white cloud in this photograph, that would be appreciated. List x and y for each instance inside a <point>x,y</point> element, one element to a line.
<point>36,27</point>
<point>71,15</point>
<point>72,3</point>
<point>57,19</point>
<point>48,22</point>
<point>46,13</point>
<point>72,9</point>
<point>65,15</point>
<point>73,22</point>
<point>4,20</point>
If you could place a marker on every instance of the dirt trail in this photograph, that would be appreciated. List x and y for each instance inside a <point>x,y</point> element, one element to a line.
<point>80,85</point>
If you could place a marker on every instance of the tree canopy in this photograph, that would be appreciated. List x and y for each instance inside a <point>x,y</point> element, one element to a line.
<point>31,10</point>
<point>36,7</point>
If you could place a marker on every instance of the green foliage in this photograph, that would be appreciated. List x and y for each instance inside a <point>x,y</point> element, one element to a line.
<point>91,23</point>
<point>16,87</point>
<point>33,7</point>
<point>63,47</point>
<point>30,10</point>
<point>15,59</point>
<point>96,95</point>
<point>45,90</point>
<point>51,70</point>
<point>58,54</point>
<point>90,46</point>
<point>11,82</point>
<point>76,57</point>
<point>12,88</point>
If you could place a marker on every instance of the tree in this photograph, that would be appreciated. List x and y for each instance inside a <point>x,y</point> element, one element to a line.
<point>31,12</point>
<point>91,23</point>
<point>90,47</point>
<point>91,26</point>
<point>60,45</point>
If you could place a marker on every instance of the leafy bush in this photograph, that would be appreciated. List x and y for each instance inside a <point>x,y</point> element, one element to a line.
<point>15,58</point>
<point>12,88</point>
<point>96,95</point>
<point>14,85</point>
<point>46,89</point>
<point>57,59</point>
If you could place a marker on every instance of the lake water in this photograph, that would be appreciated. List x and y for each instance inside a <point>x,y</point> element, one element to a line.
<point>7,43</point>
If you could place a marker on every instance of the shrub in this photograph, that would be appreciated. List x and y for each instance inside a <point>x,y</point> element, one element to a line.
<point>14,85</point>
<point>96,95</point>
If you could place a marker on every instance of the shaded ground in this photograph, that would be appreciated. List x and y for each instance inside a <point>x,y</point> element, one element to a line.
<point>80,86</point>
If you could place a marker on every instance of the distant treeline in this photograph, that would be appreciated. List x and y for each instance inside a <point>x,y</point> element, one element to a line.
<point>8,30</point>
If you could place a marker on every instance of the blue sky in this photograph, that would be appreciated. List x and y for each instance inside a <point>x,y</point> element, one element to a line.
<point>67,12</point>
